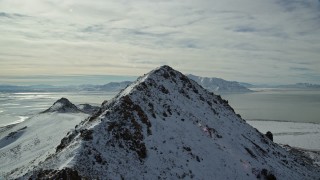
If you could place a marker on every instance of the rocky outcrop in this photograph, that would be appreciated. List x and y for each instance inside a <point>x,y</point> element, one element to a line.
<point>269,135</point>
<point>87,108</point>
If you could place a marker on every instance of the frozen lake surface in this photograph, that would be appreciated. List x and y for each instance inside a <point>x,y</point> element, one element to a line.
<point>295,134</point>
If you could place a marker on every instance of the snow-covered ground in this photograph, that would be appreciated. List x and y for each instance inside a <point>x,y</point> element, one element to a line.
<point>301,135</point>
<point>27,143</point>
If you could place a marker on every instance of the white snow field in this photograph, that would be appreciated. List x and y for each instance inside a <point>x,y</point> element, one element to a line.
<point>24,145</point>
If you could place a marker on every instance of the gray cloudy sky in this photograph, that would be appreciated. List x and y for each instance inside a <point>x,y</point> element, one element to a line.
<point>257,41</point>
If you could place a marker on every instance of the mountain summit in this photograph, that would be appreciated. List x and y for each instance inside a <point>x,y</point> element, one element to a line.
<point>166,126</point>
<point>63,105</point>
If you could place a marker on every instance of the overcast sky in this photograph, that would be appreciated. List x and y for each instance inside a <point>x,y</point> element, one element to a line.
<point>256,41</point>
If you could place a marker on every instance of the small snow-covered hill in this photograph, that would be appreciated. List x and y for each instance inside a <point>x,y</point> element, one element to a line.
<point>63,105</point>
<point>219,85</point>
<point>24,145</point>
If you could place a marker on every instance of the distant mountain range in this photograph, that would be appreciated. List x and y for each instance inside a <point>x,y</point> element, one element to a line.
<point>218,85</point>
<point>301,86</point>
<point>112,86</point>
<point>213,84</point>
<point>33,88</point>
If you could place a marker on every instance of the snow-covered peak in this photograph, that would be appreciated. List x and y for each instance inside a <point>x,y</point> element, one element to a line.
<point>161,76</point>
<point>63,105</point>
<point>166,126</point>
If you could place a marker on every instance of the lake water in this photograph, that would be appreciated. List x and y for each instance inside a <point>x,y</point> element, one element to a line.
<point>265,104</point>
<point>277,105</point>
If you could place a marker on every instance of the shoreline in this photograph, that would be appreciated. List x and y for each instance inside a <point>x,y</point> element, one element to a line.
<point>21,119</point>
<point>280,120</point>
<point>300,135</point>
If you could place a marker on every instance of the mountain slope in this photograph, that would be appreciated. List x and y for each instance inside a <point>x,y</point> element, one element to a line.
<point>24,145</point>
<point>165,125</point>
<point>219,85</point>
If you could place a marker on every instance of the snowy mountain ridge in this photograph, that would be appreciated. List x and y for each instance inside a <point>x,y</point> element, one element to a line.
<point>218,85</point>
<point>166,126</point>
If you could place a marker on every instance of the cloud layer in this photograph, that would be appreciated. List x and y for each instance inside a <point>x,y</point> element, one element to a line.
<point>276,41</point>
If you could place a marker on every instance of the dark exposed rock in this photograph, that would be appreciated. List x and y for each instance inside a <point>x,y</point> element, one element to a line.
<point>269,135</point>
<point>132,139</point>
<point>65,174</point>
<point>163,89</point>
<point>187,148</point>
<point>87,108</point>
<point>86,134</point>
<point>250,152</point>
<point>266,175</point>
<point>12,134</point>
